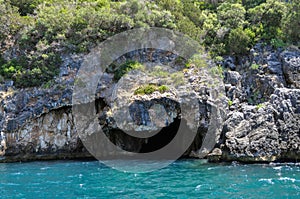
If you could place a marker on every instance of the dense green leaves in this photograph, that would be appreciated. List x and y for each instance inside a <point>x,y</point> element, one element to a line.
<point>231,15</point>
<point>291,22</point>
<point>238,41</point>
<point>31,71</point>
<point>150,88</point>
<point>36,29</point>
<point>268,17</point>
<point>26,7</point>
<point>10,20</point>
<point>123,69</point>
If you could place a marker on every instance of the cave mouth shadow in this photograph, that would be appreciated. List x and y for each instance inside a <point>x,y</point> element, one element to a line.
<point>130,143</point>
<point>161,139</point>
<point>156,142</point>
<point>153,143</point>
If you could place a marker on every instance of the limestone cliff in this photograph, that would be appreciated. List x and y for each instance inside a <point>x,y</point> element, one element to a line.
<point>262,117</point>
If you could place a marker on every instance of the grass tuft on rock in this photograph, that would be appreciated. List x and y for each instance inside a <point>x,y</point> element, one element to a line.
<point>150,88</point>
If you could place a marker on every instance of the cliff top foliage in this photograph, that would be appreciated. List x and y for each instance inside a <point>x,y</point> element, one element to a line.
<point>34,33</point>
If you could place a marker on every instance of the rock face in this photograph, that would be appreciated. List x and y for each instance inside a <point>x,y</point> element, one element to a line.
<point>291,68</point>
<point>262,117</point>
<point>36,123</point>
<point>50,136</point>
<point>145,114</point>
<point>266,132</point>
<point>264,122</point>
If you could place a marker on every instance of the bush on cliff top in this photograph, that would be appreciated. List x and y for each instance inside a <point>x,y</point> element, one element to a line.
<point>34,28</point>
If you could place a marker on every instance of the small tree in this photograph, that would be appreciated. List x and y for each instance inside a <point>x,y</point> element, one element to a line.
<point>231,15</point>
<point>291,21</point>
<point>267,16</point>
<point>238,41</point>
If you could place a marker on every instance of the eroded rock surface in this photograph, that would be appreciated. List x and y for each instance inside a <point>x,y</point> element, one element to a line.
<point>264,121</point>
<point>267,132</point>
<point>262,91</point>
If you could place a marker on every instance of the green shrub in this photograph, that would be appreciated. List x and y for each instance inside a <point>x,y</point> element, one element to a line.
<point>10,20</point>
<point>186,26</point>
<point>231,15</point>
<point>218,59</point>
<point>290,22</point>
<point>268,15</point>
<point>163,88</point>
<point>150,88</point>
<point>26,6</point>
<point>210,25</point>
<point>277,43</point>
<point>258,106</point>
<point>48,84</point>
<point>33,71</point>
<point>10,68</point>
<point>217,71</point>
<point>238,42</point>
<point>192,9</point>
<point>230,103</point>
<point>126,67</point>
<point>198,61</point>
<point>254,66</point>
<point>252,3</point>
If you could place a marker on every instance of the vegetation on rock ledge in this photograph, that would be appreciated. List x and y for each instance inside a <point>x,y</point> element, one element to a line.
<point>150,88</point>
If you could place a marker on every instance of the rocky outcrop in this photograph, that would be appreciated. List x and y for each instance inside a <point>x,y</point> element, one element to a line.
<point>132,120</point>
<point>291,68</point>
<point>36,123</point>
<point>265,132</point>
<point>49,136</point>
<point>262,120</point>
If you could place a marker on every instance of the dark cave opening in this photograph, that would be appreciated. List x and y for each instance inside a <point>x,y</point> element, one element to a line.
<point>161,139</point>
<point>142,145</point>
<point>158,141</point>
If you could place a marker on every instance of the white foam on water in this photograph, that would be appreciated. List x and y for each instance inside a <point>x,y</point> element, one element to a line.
<point>268,180</point>
<point>287,179</point>
<point>277,168</point>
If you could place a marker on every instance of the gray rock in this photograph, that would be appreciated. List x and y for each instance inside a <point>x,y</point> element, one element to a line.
<point>12,125</point>
<point>229,63</point>
<point>233,78</point>
<point>266,133</point>
<point>63,71</point>
<point>38,122</point>
<point>275,67</point>
<point>291,68</point>
<point>9,83</point>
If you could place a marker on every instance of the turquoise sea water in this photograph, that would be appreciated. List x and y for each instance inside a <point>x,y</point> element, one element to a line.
<point>182,179</point>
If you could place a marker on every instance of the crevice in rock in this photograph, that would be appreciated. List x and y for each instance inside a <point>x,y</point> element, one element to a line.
<point>100,104</point>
